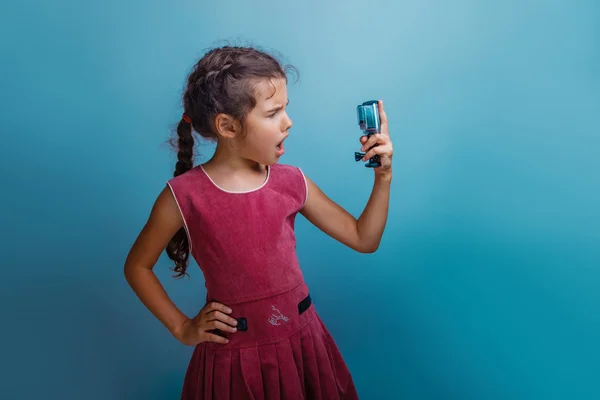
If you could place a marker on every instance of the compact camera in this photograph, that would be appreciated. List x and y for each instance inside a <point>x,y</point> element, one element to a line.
<point>369,123</point>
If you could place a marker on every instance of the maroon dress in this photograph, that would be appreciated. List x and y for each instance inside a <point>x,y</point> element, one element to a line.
<point>244,242</point>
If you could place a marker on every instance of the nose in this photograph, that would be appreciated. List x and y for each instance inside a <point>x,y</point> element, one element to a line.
<point>288,122</point>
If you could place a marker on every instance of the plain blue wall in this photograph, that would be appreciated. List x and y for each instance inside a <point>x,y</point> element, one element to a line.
<point>487,283</point>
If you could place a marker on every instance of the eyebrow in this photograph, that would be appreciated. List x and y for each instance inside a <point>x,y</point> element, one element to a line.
<point>278,107</point>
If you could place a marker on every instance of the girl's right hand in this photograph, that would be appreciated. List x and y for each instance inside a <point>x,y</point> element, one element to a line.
<point>212,316</point>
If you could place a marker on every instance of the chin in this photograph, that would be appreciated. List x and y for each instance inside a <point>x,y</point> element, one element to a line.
<point>272,160</point>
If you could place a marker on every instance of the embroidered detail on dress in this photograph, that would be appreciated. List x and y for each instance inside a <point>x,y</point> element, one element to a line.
<point>275,318</point>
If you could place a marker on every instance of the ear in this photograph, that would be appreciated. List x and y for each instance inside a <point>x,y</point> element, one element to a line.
<point>226,126</point>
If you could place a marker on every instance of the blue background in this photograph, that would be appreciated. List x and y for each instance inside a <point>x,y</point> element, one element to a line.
<point>486,285</point>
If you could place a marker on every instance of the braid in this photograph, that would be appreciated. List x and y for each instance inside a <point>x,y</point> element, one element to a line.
<point>185,155</point>
<point>218,72</point>
<point>178,248</point>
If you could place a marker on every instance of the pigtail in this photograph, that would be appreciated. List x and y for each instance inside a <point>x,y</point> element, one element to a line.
<point>178,248</point>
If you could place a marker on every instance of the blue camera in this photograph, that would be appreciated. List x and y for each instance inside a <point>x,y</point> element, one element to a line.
<point>369,123</point>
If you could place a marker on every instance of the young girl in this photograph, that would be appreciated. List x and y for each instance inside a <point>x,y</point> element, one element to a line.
<point>258,336</point>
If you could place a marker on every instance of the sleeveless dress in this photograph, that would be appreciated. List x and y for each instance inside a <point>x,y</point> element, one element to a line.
<point>245,245</point>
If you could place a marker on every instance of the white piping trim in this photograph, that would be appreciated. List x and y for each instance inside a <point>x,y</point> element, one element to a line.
<point>306,187</point>
<point>185,227</point>
<point>241,191</point>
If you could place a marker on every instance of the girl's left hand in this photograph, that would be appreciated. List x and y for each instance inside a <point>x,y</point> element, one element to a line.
<point>384,148</point>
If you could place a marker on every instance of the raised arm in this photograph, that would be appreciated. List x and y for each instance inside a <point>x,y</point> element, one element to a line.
<point>363,234</point>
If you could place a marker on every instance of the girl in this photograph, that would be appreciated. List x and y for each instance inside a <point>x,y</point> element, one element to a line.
<point>258,336</point>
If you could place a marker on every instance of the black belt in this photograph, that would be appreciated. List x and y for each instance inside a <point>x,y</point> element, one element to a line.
<point>302,306</point>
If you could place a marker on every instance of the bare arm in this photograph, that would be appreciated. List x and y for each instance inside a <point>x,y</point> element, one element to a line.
<point>164,221</point>
<point>362,234</point>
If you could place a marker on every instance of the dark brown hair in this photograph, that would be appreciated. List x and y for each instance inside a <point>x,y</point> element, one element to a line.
<point>223,81</point>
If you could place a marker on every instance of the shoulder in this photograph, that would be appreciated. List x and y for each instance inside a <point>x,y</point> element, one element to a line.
<point>185,180</point>
<point>186,188</point>
<point>285,168</point>
<point>286,172</point>
<point>291,180</point>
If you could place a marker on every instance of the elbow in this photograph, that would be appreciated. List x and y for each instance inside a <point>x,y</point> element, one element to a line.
<point>132,272</point>
<point>368,248</point>
<point>127,274</point>
<point>365,246</point>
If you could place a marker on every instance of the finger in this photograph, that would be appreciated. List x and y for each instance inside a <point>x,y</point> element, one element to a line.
<point>215,324</point>
<point>377,138</point>
<point>214,306</point>
<point>211,337</point>
<point>363,139</point>
<point>219,316</point>
<point>382,114</point>
<point>379,150</point>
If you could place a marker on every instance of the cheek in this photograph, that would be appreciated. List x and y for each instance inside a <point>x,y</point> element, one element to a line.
<point>260,134</point>
<point>255,141</point>
<point>268,128</point>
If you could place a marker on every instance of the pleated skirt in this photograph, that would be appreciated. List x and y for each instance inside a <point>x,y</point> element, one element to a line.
<point>286,353</point>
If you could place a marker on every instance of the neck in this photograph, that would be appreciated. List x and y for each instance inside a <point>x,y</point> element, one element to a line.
<point>226,157</point>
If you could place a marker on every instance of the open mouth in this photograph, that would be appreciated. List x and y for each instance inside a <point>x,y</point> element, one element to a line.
<point>280,148</point>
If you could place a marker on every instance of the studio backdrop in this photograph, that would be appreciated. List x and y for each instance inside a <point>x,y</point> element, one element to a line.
<point>487,282</point>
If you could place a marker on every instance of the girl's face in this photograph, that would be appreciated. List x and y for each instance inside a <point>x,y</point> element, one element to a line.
<point>267,125</point>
